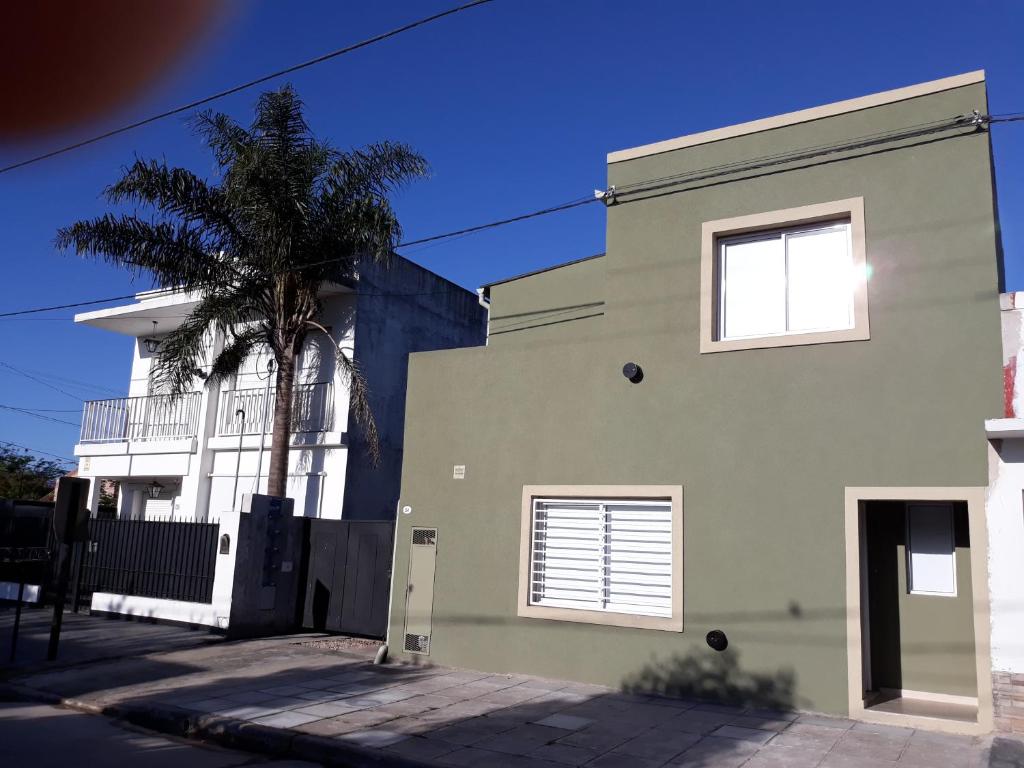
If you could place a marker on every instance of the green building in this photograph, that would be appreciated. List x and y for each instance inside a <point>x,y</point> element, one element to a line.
<point>741,454</point>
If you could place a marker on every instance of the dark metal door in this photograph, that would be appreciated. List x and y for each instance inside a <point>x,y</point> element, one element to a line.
<point>348,576</point>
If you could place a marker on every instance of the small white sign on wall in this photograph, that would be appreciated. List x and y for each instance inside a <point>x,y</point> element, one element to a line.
<point>459,472</point>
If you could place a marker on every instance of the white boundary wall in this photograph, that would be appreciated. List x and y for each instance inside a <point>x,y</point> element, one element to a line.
<point>214,614</point>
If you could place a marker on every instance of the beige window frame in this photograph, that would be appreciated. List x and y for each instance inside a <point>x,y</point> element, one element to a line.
<point>712,232</point>
<point>672,493</point>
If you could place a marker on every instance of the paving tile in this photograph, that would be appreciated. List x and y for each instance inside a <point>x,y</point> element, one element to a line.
<point>285,690</point>
<point>248,712</point>
<point>658,745</point>
<point>367,717</point>
<point>564,754</point>
<point>714,752</point>
<point>743,734</point>
<point>463,734</point>
<point>331,726</point>
<point>785,757</point>
<point>285,702</point>
<point>917,754</point>
<point>512,696</point>
<point>521,740</point>
<point>598,738</point>
<point>943,739</point>
<point>826,721</point>
<point>374,738</point>
<point>249,697</point>
<point>354,689</point>
<point>482,758</point>
<point>411,726</point>
<point>541,684</point>
<point>894,731</point>
<point>774,714</point>
<point>319,696</point>
<point>326,709</point>
<point>414,705</point>
<point>565,722</point>
<point>286,719</point>
<point>349,677</point>
<point>722,709</point>
<point>209,705</point>
<point>836,760</point>
<point>622,760</point>
<point>420,748</point>
<point>872,745</point>
<point>804,735</point>
<point>693,721</point>
<point>761,723</point>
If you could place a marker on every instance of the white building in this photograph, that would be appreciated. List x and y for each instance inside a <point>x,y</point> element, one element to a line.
<point>1005,511</point>
<point>195,456</point>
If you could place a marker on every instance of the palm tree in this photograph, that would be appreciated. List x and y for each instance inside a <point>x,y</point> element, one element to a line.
<point>287,215</point>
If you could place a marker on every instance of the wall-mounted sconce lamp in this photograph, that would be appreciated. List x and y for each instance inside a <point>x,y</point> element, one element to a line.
<point>633,372</point>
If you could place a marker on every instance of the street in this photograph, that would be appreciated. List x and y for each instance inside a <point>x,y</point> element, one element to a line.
<point>49,737</point>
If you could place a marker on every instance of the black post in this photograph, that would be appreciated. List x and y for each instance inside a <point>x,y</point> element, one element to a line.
<point>63,572</point>
<point>70,524</point>
<point>78,555</point>
<point>17,614</point>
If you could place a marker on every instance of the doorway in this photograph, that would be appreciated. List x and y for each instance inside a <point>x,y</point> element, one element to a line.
<point>916,629</point>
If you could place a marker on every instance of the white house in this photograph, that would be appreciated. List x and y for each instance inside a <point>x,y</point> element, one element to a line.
<point>196,455</point>
<point>1005,511</point>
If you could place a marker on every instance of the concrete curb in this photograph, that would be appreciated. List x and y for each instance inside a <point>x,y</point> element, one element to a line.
<point>224,731</point>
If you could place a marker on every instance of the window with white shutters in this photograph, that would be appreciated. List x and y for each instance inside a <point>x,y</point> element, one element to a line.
<point>602,555</point>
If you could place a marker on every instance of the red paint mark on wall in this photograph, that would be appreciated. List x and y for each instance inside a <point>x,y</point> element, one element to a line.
<point>1009,385</point>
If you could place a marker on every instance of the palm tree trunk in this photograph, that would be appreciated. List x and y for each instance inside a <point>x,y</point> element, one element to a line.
<point>277,479</point>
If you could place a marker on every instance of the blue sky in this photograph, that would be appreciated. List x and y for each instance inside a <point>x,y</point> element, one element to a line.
<point>515,104</point>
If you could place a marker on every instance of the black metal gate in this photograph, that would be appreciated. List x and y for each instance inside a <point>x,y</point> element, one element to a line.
<point>169,559</point>
<point>348,577</point>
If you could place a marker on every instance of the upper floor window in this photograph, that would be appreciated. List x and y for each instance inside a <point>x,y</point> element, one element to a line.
<point>785,281</point>
<point>783,278</point>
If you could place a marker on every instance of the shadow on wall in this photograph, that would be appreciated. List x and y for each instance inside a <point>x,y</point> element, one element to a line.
<point>715,677</point>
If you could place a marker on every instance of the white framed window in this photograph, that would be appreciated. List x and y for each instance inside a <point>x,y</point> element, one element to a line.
<point>787,281</point>
<point>784,278</point>
<point>603,558</point>
<point>931,550</point>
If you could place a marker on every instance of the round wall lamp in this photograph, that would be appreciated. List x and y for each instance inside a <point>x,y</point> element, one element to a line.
<point>717,640</point>
<point>633,372</point>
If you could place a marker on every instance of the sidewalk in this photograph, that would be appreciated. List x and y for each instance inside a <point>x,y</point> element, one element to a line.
<point>284,696</point>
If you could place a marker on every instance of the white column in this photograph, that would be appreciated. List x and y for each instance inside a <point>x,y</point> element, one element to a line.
<point>93,504</point>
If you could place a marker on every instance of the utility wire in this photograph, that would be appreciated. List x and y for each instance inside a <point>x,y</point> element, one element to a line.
<point>38,380</point>
<point>457,233</point>
<point>648,185</point>
<point>244,86</point>
<point>28,412</point>
<point>42,453</point>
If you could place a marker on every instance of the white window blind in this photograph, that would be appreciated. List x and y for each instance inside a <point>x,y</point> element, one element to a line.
<point>602,555</point>
<point>931,549</point>
<point>786,281</point>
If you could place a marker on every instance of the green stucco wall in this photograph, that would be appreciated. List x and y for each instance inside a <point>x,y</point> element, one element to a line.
<point>762,441</point>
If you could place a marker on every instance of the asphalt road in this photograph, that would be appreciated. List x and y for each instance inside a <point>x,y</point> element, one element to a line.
<point>42,736</point>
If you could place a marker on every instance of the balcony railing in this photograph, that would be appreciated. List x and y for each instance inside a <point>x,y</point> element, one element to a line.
<point>157,417</point>
<point>312,410</point>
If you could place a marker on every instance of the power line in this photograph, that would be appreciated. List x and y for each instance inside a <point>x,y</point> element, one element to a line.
<point>28,412</point>
<point>38,380</point>
<point>244,86</point>
<point>48,410</point>
<point>647,185</point>
<point>42,453</point>
<point>433,238</point>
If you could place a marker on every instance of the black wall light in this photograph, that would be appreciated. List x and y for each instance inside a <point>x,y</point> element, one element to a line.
<point>717,640</point>
<point>633,372</point>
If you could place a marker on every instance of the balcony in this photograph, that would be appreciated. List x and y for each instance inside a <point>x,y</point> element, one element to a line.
<point>140,419</point>
<point>312,410</point>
